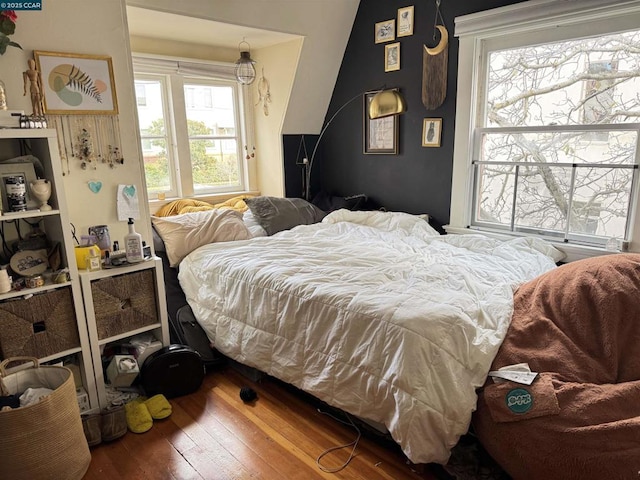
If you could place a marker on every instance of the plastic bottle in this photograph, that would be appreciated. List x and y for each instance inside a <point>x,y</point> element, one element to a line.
<point>133,244</point>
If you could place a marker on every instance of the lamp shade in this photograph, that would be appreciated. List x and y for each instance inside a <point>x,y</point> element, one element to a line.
<point>386,103</point>
<point>245,71</point>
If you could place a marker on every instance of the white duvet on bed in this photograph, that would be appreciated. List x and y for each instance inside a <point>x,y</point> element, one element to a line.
<point>372,312</point>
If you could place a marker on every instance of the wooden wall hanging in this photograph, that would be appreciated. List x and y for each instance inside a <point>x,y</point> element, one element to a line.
<point>434,67</point>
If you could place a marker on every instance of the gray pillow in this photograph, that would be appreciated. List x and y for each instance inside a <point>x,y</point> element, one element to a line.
<point>275,214</point>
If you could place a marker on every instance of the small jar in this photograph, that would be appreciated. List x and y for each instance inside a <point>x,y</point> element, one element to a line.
<point>35,281</point>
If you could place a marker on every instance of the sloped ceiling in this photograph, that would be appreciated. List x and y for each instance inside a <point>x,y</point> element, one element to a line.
<point>169,26</point>
<point>325,26</point>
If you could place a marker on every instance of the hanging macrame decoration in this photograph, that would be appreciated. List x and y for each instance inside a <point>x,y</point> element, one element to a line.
<point>264,94</point>
<point>434,66</point>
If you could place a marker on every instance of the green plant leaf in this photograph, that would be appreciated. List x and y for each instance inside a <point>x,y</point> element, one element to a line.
<point>7,26</point>
<point>14,44</point>
<point>4,41</point>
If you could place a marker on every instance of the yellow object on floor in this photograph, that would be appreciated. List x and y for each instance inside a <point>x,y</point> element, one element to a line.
<point>139,419</point>
<point>159,407</point>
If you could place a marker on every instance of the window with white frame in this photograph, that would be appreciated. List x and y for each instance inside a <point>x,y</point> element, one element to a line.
<point>550,146</point>
<point>191,127</point>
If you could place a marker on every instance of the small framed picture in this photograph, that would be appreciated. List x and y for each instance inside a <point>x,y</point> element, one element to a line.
<point>405,21</point>
<point>392,57</point>
<point>385,31</point>
<point>431,132</point>
<point>380,134</point>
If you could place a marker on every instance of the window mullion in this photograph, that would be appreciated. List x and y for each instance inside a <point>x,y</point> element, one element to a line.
<point>181,137</point>
<point>514,201</point>
<point>572,188</point>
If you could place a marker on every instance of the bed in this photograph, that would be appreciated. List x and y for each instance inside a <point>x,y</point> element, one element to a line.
<point>374,313</point>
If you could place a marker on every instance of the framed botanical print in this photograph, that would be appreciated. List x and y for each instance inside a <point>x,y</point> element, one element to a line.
<point>405,22</point>
<point>380,134</point>
<point>76,83</point>
<point>392,57</point>
<point>385,31</point>
<point>431,132</point>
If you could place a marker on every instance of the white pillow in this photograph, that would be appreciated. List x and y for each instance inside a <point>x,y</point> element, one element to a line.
<point>387,221</point>
<point>252,224</point>
<point>182,234</point>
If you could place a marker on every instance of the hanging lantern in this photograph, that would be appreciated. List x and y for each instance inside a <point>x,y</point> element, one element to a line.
<point>245,71</point>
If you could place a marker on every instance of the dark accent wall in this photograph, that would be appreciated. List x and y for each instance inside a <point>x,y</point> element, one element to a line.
<point>417,179</point>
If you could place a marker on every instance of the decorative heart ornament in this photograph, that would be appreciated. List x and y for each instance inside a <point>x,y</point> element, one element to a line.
<point>129,190</point>
<point>95,186</point>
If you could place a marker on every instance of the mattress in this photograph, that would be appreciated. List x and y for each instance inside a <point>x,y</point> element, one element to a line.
<point>372,312</point>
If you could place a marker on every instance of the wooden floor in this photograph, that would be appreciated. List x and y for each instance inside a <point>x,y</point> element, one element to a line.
<point>212,434</point>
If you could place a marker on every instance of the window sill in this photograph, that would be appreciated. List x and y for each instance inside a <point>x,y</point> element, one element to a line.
<point>155,204</point>
<point>572,252</point>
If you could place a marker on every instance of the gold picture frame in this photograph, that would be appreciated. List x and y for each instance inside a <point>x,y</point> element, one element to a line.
<point>405,22</point>
<point>392,57</point>
<point>431,132</point>
<point>76,84</point>
<point>385,31</point>
<point>380,135</point>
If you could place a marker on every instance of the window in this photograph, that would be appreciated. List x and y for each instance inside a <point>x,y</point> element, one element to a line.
<point>551,146</point>
<point>191,127</point>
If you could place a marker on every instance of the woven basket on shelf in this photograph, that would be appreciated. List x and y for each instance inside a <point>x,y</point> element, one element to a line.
<point>40,326</point>
<point>44,440</point>
<point>124,303</point>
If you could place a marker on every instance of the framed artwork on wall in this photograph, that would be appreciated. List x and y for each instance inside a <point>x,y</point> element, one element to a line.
<point>405,21</point>
<point>76,83</point>
<point>392,57</point>
<point>385,31</point>
<point>431,132</point>
<point>380,134</point>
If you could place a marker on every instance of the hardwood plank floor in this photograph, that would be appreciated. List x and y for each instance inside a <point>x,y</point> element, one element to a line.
<point>213,435</point>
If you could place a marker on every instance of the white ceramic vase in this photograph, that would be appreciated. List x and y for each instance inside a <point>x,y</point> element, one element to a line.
<point>41,190</point>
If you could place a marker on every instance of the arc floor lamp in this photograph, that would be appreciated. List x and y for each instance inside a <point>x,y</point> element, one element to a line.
<point>385,103</point>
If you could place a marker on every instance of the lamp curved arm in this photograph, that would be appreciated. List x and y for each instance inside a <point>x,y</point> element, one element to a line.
<point>307,193</point>
<point>386,103</point>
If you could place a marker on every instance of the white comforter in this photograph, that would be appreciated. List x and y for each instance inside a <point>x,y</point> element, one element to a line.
<point>372,312</point>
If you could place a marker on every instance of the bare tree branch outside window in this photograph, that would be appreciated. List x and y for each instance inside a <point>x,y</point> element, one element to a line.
<point>557,153</point>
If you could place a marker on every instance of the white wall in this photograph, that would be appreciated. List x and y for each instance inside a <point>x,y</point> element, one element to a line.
<point>85,27</point>
<point>279,64</point>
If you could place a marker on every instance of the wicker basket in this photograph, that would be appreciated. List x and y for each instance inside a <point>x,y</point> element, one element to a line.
<point>39,326</point>
<point>124,303</point>
<point>44,440</point>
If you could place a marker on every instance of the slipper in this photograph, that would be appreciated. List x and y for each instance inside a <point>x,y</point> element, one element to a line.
<point>138,417</point>
<point>158,406</point>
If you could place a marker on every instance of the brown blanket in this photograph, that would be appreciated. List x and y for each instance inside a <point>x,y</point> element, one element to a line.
<point>580,325</point>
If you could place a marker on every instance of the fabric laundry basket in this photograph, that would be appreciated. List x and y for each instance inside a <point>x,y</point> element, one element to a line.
<point>44,440</point>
